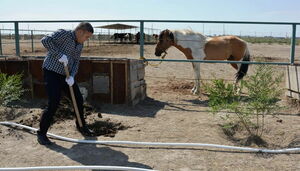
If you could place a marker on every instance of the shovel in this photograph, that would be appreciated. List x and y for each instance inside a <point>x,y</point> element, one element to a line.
<point>73,98</point>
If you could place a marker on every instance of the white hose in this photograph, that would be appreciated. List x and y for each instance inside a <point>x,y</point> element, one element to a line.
<point>75,167</point>
<point>286,150</point>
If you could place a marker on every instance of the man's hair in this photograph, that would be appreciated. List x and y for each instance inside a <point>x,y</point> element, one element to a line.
<point>85,26</point>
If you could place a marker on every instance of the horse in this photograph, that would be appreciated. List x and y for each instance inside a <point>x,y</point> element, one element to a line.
<point>196,46</point>
<point>128,36</point>
<point>155,36</point>
<point>137,37</point>
<point>120,36</point>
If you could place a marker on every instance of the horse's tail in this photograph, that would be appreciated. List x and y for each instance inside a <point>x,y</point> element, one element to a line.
<point>244,67</point>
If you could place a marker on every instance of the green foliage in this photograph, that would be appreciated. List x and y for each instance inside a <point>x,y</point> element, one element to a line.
<point>263,89</point>
<point>10,88</point>
<point>263,93</point>
<point>269,40</point>
<point>221,95</point>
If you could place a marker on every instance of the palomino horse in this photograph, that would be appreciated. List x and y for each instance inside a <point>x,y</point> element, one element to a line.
<point>196,46</point>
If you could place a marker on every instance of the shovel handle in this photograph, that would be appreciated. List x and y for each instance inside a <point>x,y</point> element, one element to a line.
<point>73,98</point>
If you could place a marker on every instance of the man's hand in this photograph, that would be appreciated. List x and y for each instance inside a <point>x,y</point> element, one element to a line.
<point>70,80</point>
<point>64,60</point>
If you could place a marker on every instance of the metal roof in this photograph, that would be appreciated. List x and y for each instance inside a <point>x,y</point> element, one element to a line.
<point>117,26</point>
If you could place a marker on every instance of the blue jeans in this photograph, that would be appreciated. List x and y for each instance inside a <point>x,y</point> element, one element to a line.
<point>55,85</point>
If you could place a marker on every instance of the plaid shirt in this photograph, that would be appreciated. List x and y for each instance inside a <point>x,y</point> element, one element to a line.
<point>59,43</point>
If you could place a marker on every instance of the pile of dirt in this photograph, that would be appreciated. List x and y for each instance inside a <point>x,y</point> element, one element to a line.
<point>30,120</point>
<point>66,111</point>
<point>106,127</point>
<point>101,126</point>
<point>178,86</point>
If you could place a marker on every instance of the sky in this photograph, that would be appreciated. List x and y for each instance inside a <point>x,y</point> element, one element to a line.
<point>212,10</point>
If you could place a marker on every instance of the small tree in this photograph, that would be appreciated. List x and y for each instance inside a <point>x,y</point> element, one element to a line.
<point>10,88</point>
<point>263,93</point>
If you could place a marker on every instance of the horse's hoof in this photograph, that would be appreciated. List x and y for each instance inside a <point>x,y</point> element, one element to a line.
<point>195,91</point>
<point>238,91</point>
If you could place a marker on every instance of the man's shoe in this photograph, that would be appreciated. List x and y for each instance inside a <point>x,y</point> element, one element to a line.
<point>43,139</point>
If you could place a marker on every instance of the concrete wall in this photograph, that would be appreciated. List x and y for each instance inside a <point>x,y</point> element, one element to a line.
<point>103,80</point>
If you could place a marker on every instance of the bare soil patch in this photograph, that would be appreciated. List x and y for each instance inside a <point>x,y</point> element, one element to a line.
<point>170,113</point>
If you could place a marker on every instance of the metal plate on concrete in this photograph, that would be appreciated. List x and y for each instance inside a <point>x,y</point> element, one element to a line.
<point>101,84</point>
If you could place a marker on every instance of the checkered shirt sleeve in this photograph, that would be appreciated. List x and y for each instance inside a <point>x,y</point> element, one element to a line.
<point>59,43</point>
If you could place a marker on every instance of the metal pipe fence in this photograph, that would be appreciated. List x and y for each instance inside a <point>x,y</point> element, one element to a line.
<point>142,38</point>
<point>31,37</point>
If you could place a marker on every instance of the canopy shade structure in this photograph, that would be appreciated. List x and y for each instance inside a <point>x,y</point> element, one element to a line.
<point>117,26</point>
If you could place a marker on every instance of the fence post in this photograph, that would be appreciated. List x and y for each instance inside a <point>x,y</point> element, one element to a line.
<point>17,41</point>
<point>141,39</point>
<point>293,44</point>
<point>1,53</point>
<point>32,48</point>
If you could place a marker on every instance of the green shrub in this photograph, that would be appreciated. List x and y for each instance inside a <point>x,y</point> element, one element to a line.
<point>249,109</point>
<point>10,88</point>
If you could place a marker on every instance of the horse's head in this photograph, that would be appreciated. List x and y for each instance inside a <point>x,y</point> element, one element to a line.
<point>166,40</point>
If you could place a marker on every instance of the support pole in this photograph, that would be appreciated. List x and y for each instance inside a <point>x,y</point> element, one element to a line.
<point>17,39</point>
<point>293,44</point>
<point>1,52</point>
<point>142,39</point>
<point>32,48</point>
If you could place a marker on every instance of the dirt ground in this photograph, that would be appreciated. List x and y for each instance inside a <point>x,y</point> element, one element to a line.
<point>170,113</point>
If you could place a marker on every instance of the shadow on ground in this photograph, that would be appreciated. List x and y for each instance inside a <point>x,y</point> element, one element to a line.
<point>91,154</point>
<point>146,108</point>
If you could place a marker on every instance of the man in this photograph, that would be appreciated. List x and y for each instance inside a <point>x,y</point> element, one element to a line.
<point>64,48</point>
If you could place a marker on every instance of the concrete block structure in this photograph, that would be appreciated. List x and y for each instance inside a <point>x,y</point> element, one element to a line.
<point>103,80</point>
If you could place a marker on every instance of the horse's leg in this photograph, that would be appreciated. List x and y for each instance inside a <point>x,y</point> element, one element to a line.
<point>232,58</point>
<point>235,66</point>
<point>196,88</point>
